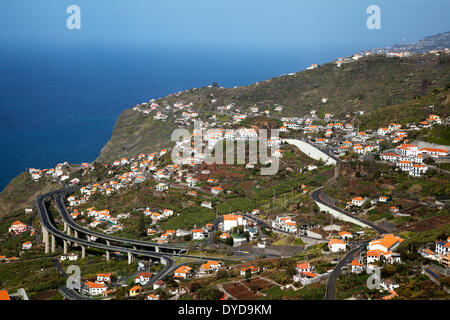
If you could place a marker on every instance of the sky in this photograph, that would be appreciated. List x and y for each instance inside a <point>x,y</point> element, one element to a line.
<point>232,23</point>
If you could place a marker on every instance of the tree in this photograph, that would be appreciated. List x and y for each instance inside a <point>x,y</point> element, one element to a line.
<point>291,271</point>
<point>248,275</point>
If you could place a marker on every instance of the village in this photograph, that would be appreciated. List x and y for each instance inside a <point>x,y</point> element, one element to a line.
<point>189,201</point>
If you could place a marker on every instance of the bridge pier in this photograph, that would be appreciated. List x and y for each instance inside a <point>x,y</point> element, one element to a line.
<point>130,258</point>
<point>107,255</point>
<point>157,249</point>
<point>108,243</point>
<point>69,234</point>
<point>65,226</point>
<point>65,246</point>
<point>83,252</point>
<point>45,239</point>
<point>53,244</point>
<point>75,234</point>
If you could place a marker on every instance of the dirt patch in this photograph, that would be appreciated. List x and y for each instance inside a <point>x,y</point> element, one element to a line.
<point>241,290</point>
<point>44,295</point>
<point>427,224</point>
<point>262,284</point>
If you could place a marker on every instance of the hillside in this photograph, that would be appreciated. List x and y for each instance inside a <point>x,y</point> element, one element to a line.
<point>411,111</point>
<point>135,133</point>
<point>366,84</point>
<point>21,192</point>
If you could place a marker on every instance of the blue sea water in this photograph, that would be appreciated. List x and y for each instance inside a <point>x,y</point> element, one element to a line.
<point>61,103</point>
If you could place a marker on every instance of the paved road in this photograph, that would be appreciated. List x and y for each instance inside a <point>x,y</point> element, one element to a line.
<point>164,257</point>
<point>318,196</point>
<point>332,279</point>
<point>45,220</point>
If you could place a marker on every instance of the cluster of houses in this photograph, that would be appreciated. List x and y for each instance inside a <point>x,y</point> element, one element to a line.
<point>195,234</point>
<point>380,251</point>
<point>60,173</point>
<point>441,252</point>
<point>285,224</point>
<point>206,139</point>
<point>101,216</point>
<point>409,158</point>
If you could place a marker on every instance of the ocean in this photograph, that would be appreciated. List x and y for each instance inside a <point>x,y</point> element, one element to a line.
<point>61,103</point>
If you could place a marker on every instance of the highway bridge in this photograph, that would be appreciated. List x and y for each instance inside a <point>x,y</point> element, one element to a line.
<point>71,227</point>
<point>81,237</point>
<point>49,228</point>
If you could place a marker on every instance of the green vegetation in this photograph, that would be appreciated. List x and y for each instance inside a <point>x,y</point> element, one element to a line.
<point>312,292</point>
<point>35,276</point>
<point>198,216</point>
<point>412,111</point>
<point>438,134</point>
<point>22,191</point>
<point>351,284</point>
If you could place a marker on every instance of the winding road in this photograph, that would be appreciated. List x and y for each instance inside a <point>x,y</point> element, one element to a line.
<point>164,257</point>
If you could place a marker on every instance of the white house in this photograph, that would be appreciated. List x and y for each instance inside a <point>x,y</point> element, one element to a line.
<point>389,285</point>
<point>387,243</point>
<point>27,245</point>
<point>443,247</point>
<point>143,278</point>
<point>303,267</point>
<point>285,223</point>
<point>345,235</point>
<point>231,221</point>
<point>336,245</point>
<point>162,187</point>
<point>216,190</point>
<point>94,288</point>
<point>103,277</point>
<point>159,284</point>
<point>198,234</point>
<point>358,201</point>
<point>210,266</point>
<point>251,268</point>
<point>183,272</point>
<point>357,266</point>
